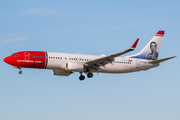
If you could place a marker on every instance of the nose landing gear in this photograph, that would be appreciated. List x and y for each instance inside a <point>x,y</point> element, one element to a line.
<point>18,67</point>
<point>20,72</point>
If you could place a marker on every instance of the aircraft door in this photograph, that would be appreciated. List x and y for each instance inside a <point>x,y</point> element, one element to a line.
<point>26,55</point>
<point>137,64</point>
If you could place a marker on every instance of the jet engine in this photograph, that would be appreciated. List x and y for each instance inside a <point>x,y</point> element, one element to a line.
<point>61,72</point>
<point>73,66</point>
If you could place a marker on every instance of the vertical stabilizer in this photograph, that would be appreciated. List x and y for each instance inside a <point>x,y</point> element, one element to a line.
<point>151,50</point>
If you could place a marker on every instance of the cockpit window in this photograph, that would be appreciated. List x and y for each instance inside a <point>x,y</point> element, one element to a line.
<point>14,55</point>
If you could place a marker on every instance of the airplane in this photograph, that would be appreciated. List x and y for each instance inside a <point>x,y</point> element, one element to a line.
<point>64,64</point>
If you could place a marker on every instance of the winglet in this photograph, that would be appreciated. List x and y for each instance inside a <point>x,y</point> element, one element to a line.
<point>134,45</point>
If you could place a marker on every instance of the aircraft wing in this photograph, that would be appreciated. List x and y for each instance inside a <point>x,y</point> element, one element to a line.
<point>96,63</point>
<point>161,60</point>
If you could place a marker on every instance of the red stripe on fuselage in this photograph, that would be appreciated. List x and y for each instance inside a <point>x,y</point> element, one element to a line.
<point>28,59</point>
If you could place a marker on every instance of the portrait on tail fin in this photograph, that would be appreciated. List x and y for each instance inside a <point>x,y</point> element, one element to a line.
<point>154,54</point>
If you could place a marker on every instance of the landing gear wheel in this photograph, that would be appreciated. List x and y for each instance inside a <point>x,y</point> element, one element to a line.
<point>20,72</point>
<point>82,77</point>
<point>89,75</point>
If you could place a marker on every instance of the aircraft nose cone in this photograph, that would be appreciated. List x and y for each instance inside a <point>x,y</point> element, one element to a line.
<point>7,60</point>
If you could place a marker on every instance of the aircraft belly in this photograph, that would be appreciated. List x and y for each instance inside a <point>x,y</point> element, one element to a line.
<point>117,68</point>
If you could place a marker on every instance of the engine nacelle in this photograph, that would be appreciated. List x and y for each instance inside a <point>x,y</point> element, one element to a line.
<point>73,66</point>
<point>61,72</point>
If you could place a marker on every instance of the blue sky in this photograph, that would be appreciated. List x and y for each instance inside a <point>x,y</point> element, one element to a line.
<point>89,27</point>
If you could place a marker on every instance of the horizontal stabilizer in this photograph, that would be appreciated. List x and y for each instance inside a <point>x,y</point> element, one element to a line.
<point>161,60</point>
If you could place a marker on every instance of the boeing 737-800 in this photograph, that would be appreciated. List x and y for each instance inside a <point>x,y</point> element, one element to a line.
<point>64,64</point>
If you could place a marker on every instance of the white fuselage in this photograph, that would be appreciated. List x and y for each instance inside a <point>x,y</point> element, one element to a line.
<point>57,61</point>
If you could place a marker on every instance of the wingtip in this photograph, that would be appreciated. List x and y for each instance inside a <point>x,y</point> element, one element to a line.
<point>173,57</point>
<point>135,44</point>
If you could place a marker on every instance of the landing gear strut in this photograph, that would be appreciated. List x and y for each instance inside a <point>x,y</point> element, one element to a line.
<point>81,77</point>
<point>90,75</point>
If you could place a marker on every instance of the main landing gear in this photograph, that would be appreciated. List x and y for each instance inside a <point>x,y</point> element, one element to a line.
<point>89,75</point>
<point>82,77</point>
